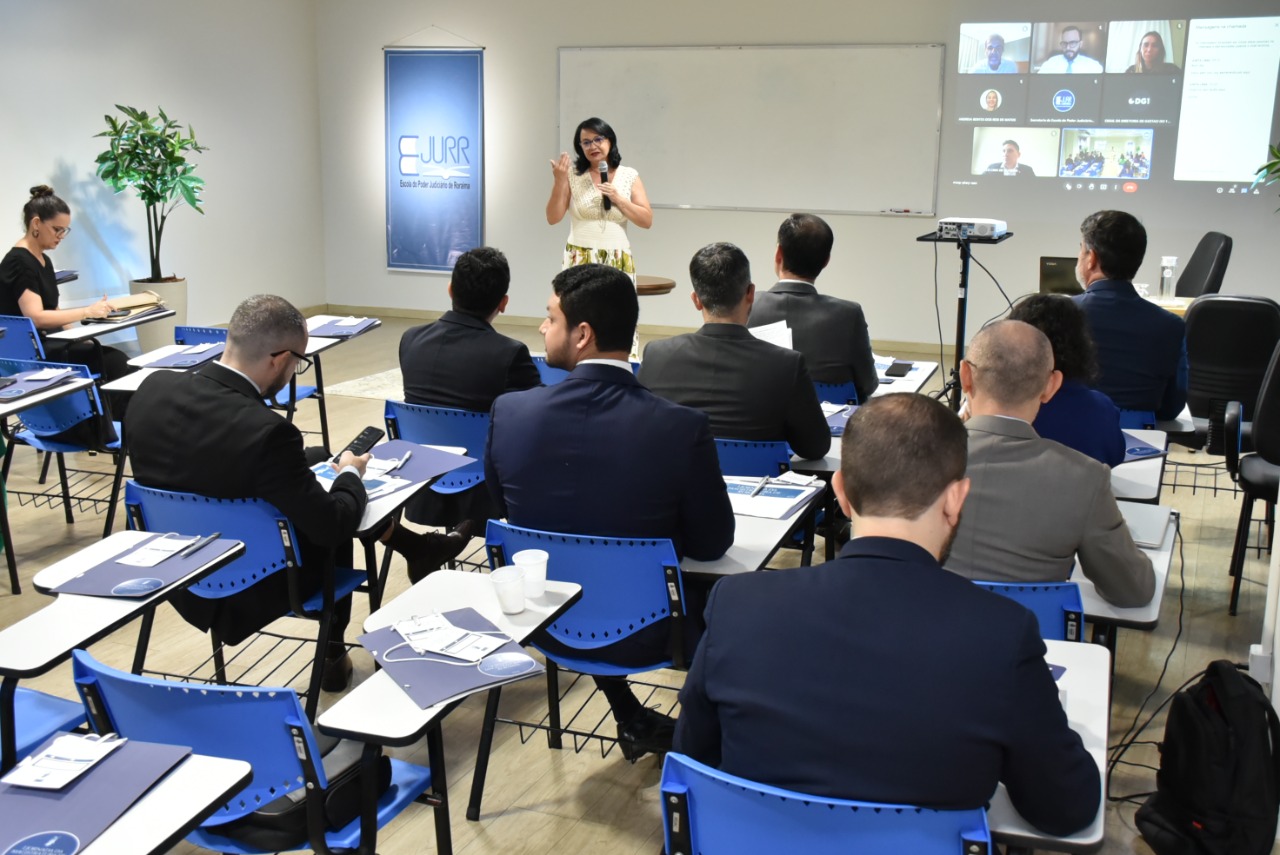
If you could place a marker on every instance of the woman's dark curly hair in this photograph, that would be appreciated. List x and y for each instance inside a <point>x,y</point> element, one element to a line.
<point>1063,323</point>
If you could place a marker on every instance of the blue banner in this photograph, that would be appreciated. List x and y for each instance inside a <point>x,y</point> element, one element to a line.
<point>435,156</point>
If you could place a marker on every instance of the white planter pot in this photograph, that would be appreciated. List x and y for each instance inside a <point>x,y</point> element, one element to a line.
<point>160,333</point>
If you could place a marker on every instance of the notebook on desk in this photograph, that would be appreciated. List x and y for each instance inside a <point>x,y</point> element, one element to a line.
<point>1147,523</point>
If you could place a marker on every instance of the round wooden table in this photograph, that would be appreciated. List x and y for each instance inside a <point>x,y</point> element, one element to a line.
<point>648,286</point>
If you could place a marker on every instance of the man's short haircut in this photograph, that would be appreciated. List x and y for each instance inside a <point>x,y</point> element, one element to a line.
<point>1069,27</point>
<point>1119,240</point>
<point>899,452</point>
<point>602,297</point>
<point>264,324</point>
<point>805,241</point>
<point>1011,362</point>
<point>995,37</point>
<point>481,277</point>
<point>1013,143</point>
<point>1064,324</point>
<point>721,276</point>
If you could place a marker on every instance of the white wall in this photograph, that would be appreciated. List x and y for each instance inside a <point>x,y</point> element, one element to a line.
<point>241,72</point>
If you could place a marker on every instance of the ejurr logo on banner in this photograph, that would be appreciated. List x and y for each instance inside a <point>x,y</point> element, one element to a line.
<point>440,151</point>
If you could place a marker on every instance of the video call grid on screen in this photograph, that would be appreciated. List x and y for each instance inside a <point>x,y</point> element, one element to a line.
<point>1116,113</point>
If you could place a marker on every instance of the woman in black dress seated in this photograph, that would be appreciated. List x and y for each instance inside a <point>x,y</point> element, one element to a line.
<point>28,287</point>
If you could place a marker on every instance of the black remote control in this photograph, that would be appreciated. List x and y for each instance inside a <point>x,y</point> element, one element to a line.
<point>366,440</point>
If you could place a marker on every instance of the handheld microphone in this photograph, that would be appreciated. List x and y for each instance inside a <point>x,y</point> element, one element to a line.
<point>604,178</point>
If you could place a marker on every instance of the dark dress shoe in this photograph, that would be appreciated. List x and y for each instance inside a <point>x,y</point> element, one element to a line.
<point>425,553</point>
<point>337,673</point>
<point>647,732</point>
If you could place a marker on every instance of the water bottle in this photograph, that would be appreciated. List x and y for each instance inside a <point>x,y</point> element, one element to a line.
<point>1168,264</point>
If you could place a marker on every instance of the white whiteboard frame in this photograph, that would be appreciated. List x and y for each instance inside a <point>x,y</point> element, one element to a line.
<point>561,132</point>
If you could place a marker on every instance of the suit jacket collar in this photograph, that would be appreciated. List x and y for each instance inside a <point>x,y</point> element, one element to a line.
<point>890,548</point>
<point>730,331</point>
<point>793,286</point>
<point>604,374</point>
<point>221,374</point>
<point>465,320</point>
<point>1012,428</point>
<point>1118,287</point>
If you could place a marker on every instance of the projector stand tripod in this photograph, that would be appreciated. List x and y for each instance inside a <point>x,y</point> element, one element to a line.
<point>952,387</point>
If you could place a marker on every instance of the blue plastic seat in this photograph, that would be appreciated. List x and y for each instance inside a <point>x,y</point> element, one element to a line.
<point>39,716</point>
<point>266,728</point>
<point>1056,605</point>
<point>20,339</point>
<point>550,376</point>
<point>751,459</point>
<point>283,399</point>
<point>836,393</point>
<point>709,811</point>
<point>442,426</point>
<point>628,584</point>
<point>40,425</point>
<point>270,547</point>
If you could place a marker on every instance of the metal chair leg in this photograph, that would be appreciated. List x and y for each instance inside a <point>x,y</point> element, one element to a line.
<point>482,754</point>
<point>1236,567</point>
<point>553,704</point>
<point>66,489</point>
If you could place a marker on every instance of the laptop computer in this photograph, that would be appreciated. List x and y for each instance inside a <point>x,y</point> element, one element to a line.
<point>1058,275</point>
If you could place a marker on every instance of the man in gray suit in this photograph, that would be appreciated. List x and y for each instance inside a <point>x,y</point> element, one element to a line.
<point>1035,504</point>
<point>750,389</point>
<point>830,332</point>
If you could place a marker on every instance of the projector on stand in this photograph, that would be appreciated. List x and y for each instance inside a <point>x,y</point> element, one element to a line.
<point>971,228</point>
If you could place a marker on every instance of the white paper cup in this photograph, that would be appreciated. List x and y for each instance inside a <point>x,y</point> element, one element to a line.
<point>508,582</point>
<point>1168,261</point>
<point>534,564</point>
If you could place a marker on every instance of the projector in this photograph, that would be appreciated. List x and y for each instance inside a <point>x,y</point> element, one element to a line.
<point>966,228</point>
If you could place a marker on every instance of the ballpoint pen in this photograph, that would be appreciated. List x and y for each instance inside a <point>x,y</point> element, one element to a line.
<point>764,482</point>
<point>193,548</point>
<point>403,460</point>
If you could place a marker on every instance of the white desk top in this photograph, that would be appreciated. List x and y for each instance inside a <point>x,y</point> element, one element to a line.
<point>1141,617</point>
<point>10,408</point>
<point>159,353</point>
<point>1139,481</point>
<point>1087,682</point>
<point>173,807</point>
<point>83,331</point>
<point>39,641</point>
<point>755,539</point>
<point>913,381</point>
<point>384,506</point>
<point>380,711</point>
<point>320,345</point>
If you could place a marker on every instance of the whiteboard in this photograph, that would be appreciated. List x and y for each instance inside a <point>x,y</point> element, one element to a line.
<point>822,129</point>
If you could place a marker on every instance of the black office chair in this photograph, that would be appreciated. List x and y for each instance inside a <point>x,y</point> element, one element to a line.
<point>1203,273</point>
<point>1230,340</point>
<point>1258,474</point>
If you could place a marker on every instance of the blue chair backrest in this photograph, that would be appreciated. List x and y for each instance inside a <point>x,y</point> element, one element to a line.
<point>63,413</point>
<point>199,335</point>
<point>1137,419</point>
<point>624,580</point>
<point>836,393</point>
<point>20,340</point>
<point>269,541</point>
<point>443,426</point>
<point>266,728</point>
<point>1056,605</point>
<point>552,376</point>
<point>706,810</point>
<point>751,459</point>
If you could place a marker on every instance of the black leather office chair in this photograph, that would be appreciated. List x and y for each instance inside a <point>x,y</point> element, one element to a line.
<point>1203,273</point>
<point>1230,340</point>
<point>1258,474</point>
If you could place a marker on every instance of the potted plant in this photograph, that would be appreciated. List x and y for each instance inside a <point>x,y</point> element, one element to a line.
<point>1269,172</point>
<point>149,153</point>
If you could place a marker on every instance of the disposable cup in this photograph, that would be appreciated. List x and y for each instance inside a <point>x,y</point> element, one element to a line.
<point>508,582</point>
<point>534,564</point>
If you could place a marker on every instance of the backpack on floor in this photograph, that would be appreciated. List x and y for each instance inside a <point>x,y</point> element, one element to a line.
<point>1218,788</point>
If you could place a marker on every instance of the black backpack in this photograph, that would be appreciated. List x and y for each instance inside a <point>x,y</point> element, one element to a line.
<point>1218,788</point>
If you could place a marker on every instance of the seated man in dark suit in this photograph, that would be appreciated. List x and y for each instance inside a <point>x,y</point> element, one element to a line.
<point>209,432</point>
<point>879,676</point>
<point>830,332</point>
<point>750,389</point>
<point>599,454</point>
<point>463,363</point>
<point>1035,504</point>
<point>1142,349</point>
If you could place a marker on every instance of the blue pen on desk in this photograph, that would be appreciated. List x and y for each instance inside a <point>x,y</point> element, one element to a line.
<point>402,461</point>
<point>764,482</point>
<point>199,545</point>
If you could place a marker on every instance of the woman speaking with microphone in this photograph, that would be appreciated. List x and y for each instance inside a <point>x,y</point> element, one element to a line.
<point>601,196</point>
